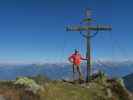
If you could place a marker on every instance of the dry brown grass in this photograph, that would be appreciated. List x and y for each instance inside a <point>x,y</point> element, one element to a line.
<point>16,93</point>
<point>97,89</point>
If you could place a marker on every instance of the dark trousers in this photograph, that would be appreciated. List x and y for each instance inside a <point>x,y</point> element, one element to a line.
<point>78,70</point>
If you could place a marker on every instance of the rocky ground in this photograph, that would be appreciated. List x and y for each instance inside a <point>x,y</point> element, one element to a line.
<point>99,88</point>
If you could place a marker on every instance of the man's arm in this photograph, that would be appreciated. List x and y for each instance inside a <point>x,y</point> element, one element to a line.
<point>70,59</point>
<point>82,58</point>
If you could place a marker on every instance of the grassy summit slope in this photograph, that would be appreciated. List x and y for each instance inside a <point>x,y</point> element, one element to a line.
<point>100,88</point>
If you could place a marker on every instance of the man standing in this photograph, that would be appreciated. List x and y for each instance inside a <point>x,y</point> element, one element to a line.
<point>75,59</point>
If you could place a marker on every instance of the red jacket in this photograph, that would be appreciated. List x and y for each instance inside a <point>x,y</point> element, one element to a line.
<point>76,59</point>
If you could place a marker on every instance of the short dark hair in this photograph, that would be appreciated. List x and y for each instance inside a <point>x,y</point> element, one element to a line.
<point>76,51</point>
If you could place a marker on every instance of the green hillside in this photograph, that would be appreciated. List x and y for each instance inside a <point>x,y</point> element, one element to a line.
<point>40,88</point>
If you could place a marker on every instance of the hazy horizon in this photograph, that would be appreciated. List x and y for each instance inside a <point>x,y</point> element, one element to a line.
<point>58,62</point>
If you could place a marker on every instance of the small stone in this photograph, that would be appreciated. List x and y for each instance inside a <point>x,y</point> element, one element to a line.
<point>83,85</point>
<point>87,87</point>
<point>2,97</point>
<point>109,94</point>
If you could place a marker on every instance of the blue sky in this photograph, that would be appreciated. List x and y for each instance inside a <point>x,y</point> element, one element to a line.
<point>34,30</point>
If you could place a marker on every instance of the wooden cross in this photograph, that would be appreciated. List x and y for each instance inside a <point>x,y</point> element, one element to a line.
<point>86,31</point>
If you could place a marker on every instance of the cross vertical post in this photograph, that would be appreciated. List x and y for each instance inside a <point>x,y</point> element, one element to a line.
<point>88,47</point>
<point>88,56</point>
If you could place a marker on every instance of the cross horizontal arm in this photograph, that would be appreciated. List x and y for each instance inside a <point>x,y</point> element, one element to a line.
<point>85,28</point>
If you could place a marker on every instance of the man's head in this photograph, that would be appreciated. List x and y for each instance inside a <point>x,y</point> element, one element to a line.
<point>76,51</point>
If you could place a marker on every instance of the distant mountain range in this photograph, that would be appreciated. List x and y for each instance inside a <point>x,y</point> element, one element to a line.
<point>63,70</point>
<point>128,80</point>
